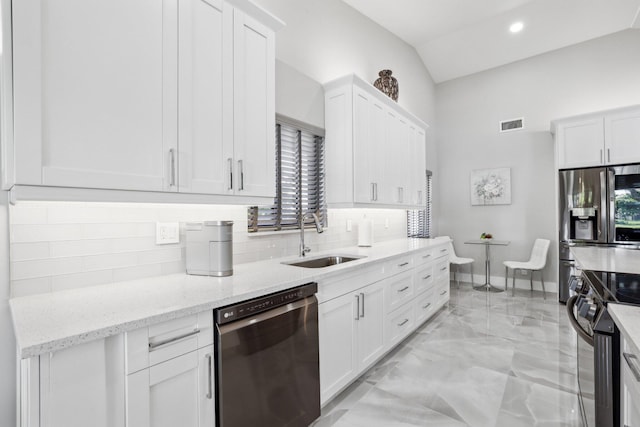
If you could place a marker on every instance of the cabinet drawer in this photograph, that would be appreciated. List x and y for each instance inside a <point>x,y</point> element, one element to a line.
<point>441,291</point>
<point>441,252</point>
<point>398,265</point>
<point>424,306</point>
<point>424,258</point>
<point>158,343</point>
<point>399,290</point>
<point>423,279</point>
<point>345,283</point>
<point>441,268</point>
<point>400,323</point>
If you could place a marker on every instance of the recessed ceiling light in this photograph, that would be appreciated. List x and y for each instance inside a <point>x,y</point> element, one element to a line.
<point>516,27</point>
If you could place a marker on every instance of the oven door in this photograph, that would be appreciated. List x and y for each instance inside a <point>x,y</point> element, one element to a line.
<point>624,204</point>
<point>584,362</point>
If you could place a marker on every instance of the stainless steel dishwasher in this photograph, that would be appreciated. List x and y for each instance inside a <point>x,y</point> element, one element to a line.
<point>267,360</point>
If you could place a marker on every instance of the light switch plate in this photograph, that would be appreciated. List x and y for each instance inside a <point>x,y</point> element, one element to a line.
<point>167,233</point>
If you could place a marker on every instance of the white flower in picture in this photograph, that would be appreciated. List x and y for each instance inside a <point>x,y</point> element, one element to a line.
<point>491,186</point>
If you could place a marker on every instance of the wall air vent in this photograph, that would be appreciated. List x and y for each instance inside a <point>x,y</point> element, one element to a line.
<point>513,124</point>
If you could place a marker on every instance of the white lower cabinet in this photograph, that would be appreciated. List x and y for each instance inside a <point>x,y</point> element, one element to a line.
<point>351,331</point>
<point>359,323</point>
<point>629,384</point>
<point>178,392</point>
<point>76,387</point>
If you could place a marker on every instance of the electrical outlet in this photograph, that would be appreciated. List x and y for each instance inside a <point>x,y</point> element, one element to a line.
<point>349,225</point>
<point>167,233</point>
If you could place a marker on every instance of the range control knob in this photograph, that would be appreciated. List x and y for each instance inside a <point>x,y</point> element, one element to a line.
<point>592,312</point>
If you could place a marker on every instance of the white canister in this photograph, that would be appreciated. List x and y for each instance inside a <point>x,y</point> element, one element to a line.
<point>365,232</point>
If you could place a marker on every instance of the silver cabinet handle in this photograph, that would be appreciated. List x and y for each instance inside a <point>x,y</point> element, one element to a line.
<point>157,345</point>
<point>426,256</point>
<point>241,172</point>
<point>601,158</point>
<point>443,292</point>
<point>209,375</point>
<point>443,250</point>
<point>399,194</point>
<point>357,307</point>
<point>426,306</point>
<point>230,163</point>
<point>404,264</point>
<point>362,308</point>
<point>403,289</point>
<point>375,186</point>
<point>632,363</point>
<point>403,322</point>
<point>373,193</point>
<point>426,277</point>
<point>443,268</point>
<point>419,197</point>
<point>172,167</point>
<point>608,155</point>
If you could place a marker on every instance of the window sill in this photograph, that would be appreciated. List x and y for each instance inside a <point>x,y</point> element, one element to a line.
<point>279,233</point>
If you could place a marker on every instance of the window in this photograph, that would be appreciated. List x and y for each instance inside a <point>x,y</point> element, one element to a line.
<point>299,179</point>
<point>419,220</point>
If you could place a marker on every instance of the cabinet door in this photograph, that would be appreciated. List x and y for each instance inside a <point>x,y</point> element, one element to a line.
<point>205,96</point>
<point>622,136</point>
<point>369,149</point>
<point>580,143</point>
<point>417,161</point>
<point>396,191</point>
<point>370,325</point>
<point>338,356</point>
<point>83,385</point>
<point>95,87</point>
<point>254,107</point>
<point>178,392</point>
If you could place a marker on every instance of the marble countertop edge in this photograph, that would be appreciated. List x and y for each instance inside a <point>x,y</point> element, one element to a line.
<point>627,318</point>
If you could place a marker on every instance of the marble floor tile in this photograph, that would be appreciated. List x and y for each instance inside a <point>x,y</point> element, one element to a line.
<point>486,359</point>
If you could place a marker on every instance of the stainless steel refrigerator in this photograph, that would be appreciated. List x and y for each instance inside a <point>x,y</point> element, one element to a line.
<point>598,206</point>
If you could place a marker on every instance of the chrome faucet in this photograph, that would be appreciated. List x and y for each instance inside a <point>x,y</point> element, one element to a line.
<point>304,249</point>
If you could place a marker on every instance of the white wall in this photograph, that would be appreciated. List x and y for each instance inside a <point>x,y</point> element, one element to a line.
<point>299,96</point>
<point>596,75</point>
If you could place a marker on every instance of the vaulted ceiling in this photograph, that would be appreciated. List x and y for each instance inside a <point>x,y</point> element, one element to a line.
<point>455,38</point>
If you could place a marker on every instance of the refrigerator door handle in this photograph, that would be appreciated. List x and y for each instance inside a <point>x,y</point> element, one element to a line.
<point>611,205</point>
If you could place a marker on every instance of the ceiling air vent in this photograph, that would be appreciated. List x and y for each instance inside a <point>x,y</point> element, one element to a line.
<point>513,124</point>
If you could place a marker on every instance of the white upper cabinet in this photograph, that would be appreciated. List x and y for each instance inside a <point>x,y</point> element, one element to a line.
<point>254,107</point>
<point>95,86</point>
<point>145,95</point>
<point>606,138</point>
<point>205,113</point>
<point>374,149</point>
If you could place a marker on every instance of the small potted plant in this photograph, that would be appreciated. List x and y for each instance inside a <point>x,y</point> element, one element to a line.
<point>486,236</point>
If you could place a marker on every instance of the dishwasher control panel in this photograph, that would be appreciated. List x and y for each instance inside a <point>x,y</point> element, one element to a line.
<point>258,305</point>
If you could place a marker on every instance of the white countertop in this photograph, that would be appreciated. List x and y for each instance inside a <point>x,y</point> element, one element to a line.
<point>617,260</point>
<point>627,318</point>
<point>49,322</point>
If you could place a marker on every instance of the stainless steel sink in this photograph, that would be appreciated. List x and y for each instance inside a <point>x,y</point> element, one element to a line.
<point>326,261</point>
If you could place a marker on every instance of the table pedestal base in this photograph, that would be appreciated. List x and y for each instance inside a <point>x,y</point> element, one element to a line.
<point>487,287</point>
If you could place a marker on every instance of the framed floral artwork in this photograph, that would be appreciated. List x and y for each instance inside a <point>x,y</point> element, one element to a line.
<point>491,187</point>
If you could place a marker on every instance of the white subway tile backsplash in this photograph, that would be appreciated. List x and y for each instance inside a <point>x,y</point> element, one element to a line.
<point>108,261</point>
<point>69,248</point>
<point>29,251</point>
<point>60,245</point>
<point>45,267</point>
<point>27,287</point>
<point>136,272</point>
<point>80,280</point>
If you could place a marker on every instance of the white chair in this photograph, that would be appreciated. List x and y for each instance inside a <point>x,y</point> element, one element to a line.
<point>458,261</point>
<point>536,262</point>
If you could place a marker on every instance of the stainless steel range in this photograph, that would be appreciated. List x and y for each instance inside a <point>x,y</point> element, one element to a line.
<point>598,346</point>
<point>598,207</point>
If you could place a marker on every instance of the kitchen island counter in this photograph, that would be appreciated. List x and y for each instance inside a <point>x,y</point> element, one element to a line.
<point>614,260</point>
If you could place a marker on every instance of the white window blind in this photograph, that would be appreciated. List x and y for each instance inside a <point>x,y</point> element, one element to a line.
<point>300,185</point>
<point>419,220</point>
